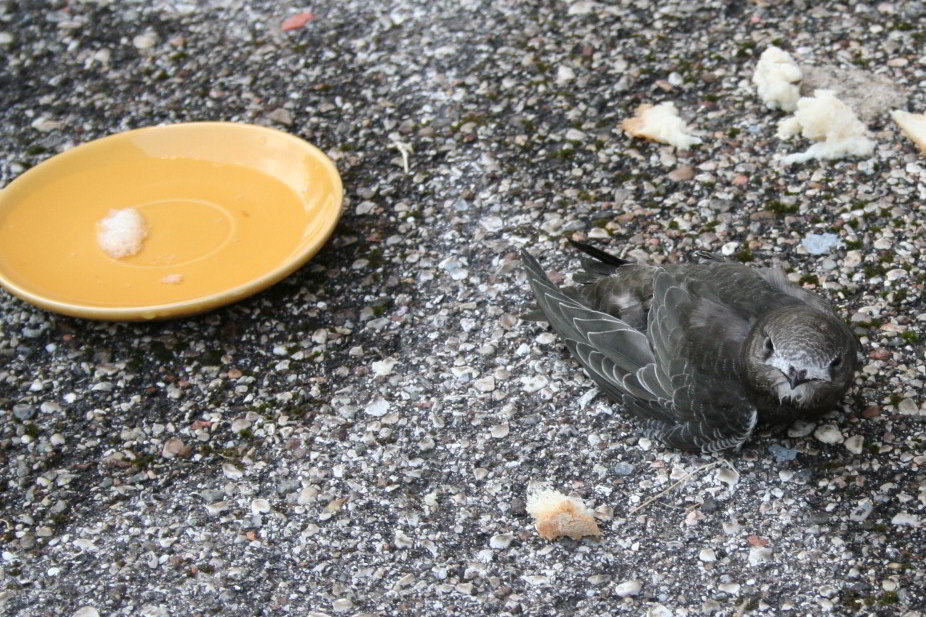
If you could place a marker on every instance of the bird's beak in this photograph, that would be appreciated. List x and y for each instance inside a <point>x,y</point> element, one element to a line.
<point>796,378</point>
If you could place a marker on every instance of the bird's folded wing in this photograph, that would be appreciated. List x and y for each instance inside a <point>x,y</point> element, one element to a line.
<point>683,404</point>
<point>615,355</point>
<point>622,348</point>
<point>697,365</point>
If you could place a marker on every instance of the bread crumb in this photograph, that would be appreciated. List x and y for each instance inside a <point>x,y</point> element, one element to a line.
<point>913,126</point>
<point>776,78</point>
<point>660,123</point>
<point>173,279</point>
<point>121,233</point>
<point>829,122</point>
<point>558,515</point>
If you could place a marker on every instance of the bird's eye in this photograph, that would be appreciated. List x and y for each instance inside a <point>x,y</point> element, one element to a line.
<point>836,362</point>
<point>769,347</point>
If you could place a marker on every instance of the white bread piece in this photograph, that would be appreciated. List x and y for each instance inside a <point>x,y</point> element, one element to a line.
<point>121,233</point>
<point>558,515</point>
<point>776,78</point>
<point>913,126</point>
<point>660,123</point>
<point>831,123</point>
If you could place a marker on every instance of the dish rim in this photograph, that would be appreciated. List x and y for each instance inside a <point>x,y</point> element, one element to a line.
<point>185,308</point>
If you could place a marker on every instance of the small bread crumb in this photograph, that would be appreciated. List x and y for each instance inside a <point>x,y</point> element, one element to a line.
<point>913,126</point>
<point>558,515</point>
<point>776,78</point>
<point>173,279</point>
<point>831,123</point>
<point>660,123</point>
<point>121,233</point>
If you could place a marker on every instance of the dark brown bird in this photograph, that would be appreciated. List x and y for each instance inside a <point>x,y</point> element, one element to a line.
<point>702,352</point>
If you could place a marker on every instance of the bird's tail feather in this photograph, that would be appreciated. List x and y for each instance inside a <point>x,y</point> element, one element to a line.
<point>602,256</point>
<point>626,347</point>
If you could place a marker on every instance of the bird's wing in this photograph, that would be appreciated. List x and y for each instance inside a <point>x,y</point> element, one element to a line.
<point>606,345</point>
<point>696,343</point>
<point>647,375</point>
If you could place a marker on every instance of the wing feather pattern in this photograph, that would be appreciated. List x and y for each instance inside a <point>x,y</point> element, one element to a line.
<point>656,375</point>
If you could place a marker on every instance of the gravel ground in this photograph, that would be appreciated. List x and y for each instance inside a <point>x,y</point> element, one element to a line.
<point>358,439</point>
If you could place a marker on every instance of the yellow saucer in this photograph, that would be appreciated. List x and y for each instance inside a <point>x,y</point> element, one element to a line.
<point>230,209</point>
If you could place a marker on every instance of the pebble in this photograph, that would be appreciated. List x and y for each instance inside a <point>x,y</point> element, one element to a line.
<point>342,604</point>
<point>260,506</point>
<point>464,588</point>
<point>501,540</point>
<point>854,444</point>
<point>682,173</point>
<point>281,115</point>
<point>455,268</point>
<point>6,38</point>
<point>861,511</point>
<point>628,588</point>
<point>499,431</point>
<point>882,243</point>
<point>175,447</point>
<point>905,519</point>
<point>623,469</point>
<point>582,7</point>
<point>85,544</point>
<point>86,611</point>
<point>46,125</point>
<point>533,383</point>
<point>231,472</point>
<point>377,407</point>
<point>575,135</point>
<point>240,424</point>
<point>799,428</point>
<point>307,495</point>
<point>782,454</point>
<point>908,407</point>
<point>729,248</point>
<point>564,74</point>
<point>759,555</point>
<point>728,476</point>
<point>492,223</point>
<point>145,41</point>
<point>658,610</point>
<point>853,259</point>
<point>484,384</point>
<point>384,367</point>
<point>102,56</point>
<point>818,244</point>
<point>217,507</point>
<point>828,433</point>
<point>211,495</point>
<point>23,412</point>
<point>707,555</point>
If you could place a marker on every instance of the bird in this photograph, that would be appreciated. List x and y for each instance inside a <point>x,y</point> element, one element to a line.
<point>701,352</point>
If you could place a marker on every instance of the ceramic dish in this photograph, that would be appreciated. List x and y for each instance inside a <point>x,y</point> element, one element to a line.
<point>230,210</point>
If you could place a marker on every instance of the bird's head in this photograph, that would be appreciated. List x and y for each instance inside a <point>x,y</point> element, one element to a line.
<point>800,356</point>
